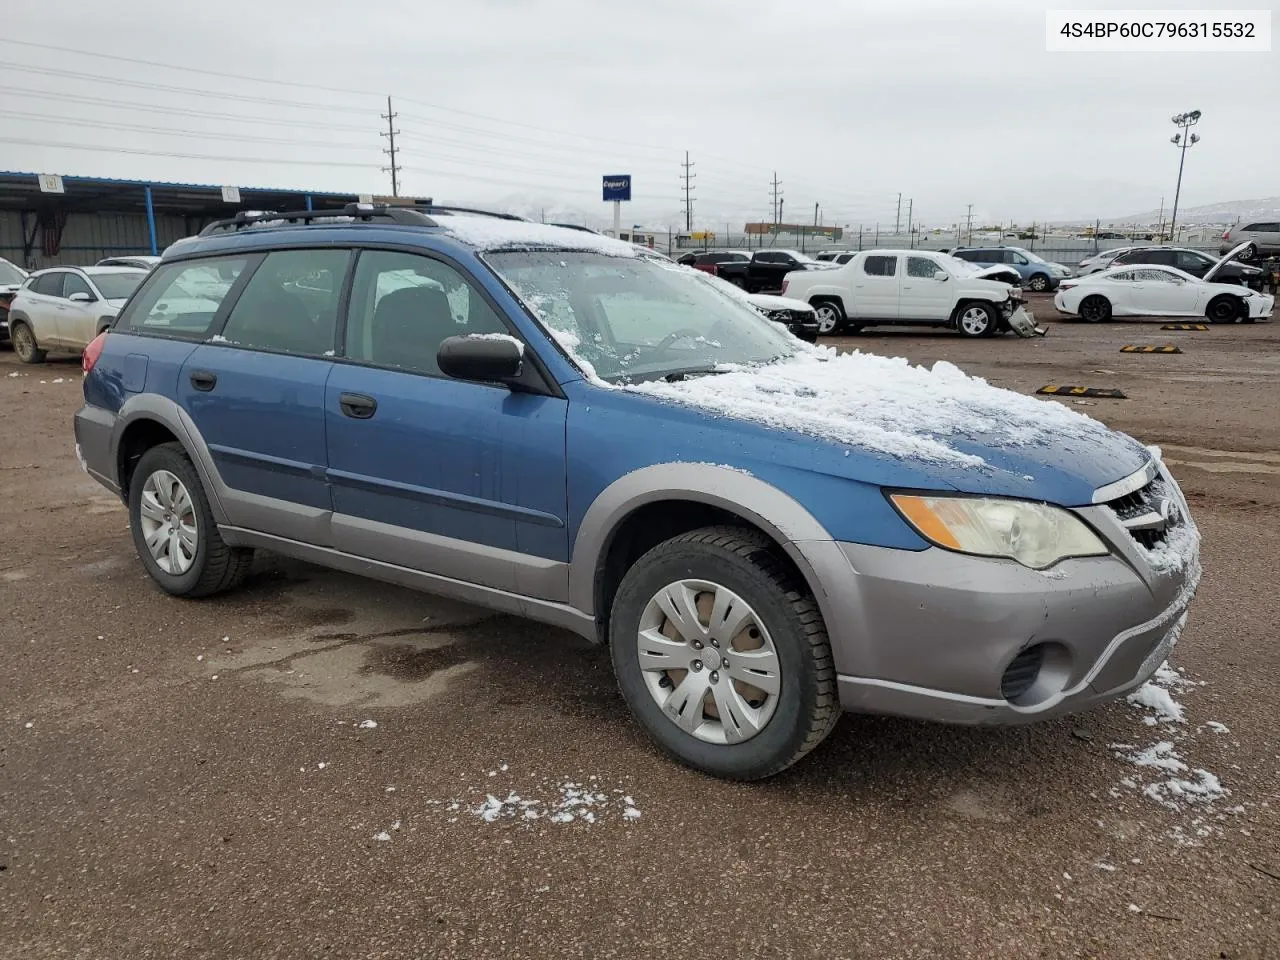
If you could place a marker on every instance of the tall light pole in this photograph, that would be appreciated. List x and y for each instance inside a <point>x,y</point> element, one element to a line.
<point>1182,139</point>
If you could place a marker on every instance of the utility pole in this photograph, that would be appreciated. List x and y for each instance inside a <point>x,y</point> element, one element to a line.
<point>688,177</point>
<point>1161,227</point>
<point>897,220</point>
<point>1182,139</point>
<point>777,202</point>
<point>911,204</point>
<point>392,149</point>
<point>969,226</point>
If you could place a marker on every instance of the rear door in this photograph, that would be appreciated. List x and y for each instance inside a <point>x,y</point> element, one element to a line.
<point>255,392</point>
<point>463,480</point>
<point>875,288</point>
<point>44,306</point>
<point>922,296</point>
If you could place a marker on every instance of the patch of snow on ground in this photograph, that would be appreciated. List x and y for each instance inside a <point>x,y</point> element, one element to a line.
<point>1217,727</point>
<point>885,405</point>
<point>560,802</point>
<point>1159,699</point>
<point>367,724</point>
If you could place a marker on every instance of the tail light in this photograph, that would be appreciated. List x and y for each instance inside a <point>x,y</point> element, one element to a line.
<point>93,351</point>
<point>1226,234</point>
<point>785,283</point>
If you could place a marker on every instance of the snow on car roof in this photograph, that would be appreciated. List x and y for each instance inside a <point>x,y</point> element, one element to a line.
<point>882,404</point>
<point>492,233</point>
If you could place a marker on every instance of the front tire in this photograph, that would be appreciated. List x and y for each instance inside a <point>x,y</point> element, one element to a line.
<point>976,320</point>
<point>173,528</point>
<point>722,657</point>
<point>1225,309</point>
<point>1095,309</point>
<point>24,342</point>
<point>1039,283</point>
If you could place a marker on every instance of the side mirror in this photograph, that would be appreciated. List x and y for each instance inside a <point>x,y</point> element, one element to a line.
<point>82,297</point>
<point>940,274</point>
<point>486,358</point>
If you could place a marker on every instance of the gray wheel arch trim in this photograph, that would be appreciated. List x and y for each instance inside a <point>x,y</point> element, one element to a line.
<point>805,540</point>
<point>167,413</point>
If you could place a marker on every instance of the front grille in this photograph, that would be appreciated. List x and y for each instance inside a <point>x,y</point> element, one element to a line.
<point>1022,672</point>
<point>1149,514</point>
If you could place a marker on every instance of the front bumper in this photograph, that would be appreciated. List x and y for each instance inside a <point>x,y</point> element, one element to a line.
<point>1260,306</point>
<point>930,634</point>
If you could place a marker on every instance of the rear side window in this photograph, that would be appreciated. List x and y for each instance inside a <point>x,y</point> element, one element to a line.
<point>970,255</point>
<point>48,284</point>
<point>880,266</point>
<point>182,299</point>
<point>1191,261</point>
<point>290,304</point>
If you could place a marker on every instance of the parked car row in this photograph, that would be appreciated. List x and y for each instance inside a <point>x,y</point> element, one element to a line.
<point>11,279</point>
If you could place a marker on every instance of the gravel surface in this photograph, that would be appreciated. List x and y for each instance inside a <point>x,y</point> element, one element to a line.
<point>200,779</point>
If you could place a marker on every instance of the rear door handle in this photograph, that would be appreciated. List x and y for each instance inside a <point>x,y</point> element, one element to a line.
<point>357,405</point>
<point>204,380</point>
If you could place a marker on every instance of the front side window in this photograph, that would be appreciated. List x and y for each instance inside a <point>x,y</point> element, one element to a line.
<point>74,283</point>
<point>1123,275</point>
<point>116,286</point>
<point>1014,257</point>
<point>404,305</point>
<point>1153,276</point>
<point>634,319</point>
<point>878,266</point>
<point>921,268</point>
<point>290,304</point>
<point>182,299</point>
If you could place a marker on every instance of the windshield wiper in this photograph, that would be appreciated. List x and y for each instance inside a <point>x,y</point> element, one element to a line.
<point>676,375</point>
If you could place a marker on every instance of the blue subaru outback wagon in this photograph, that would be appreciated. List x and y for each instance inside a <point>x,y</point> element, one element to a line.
<point>541,421</point>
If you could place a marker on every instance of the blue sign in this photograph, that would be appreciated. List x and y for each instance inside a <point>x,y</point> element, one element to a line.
<point>617,186</point>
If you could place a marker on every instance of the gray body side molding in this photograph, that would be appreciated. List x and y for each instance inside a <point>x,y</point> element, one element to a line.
<point>805,540</point>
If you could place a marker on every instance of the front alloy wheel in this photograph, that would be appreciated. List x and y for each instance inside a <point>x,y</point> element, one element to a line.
<point>708,661</point>
<point>976,320</point>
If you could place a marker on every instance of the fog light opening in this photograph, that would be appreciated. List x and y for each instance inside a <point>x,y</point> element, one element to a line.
<point>1037,673</point>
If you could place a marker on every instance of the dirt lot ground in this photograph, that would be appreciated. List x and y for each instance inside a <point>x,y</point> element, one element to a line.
<point>196,779</point>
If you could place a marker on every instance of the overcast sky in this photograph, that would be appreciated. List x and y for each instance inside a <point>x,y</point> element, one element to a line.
<point>529,102</point>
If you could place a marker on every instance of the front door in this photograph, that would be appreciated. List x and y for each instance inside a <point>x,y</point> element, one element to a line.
<point>78,319</point>
<point>875,288</point>
<point>923,297</point>
<point>1156,291</point>
<point>256,391</point>
<point>463,480</point>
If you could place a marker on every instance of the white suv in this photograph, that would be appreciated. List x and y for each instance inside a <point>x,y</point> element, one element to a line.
<point>910,286</point>
<point>63,308</point>
<point>1263,239</point>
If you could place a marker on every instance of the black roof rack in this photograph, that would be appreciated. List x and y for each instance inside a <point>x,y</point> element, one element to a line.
<point>434,208</point>
<point>355,211</point>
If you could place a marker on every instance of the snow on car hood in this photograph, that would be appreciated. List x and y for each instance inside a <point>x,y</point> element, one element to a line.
<point>768,301</point>
<point>960,429</point>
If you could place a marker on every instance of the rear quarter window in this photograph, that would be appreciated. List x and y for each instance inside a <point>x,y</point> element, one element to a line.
<point>182,299</point>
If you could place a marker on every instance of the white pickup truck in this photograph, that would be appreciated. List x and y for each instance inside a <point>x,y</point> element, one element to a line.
<point>911,287</point>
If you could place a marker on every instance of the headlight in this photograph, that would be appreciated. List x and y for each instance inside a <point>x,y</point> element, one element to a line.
<point>1034,534</point>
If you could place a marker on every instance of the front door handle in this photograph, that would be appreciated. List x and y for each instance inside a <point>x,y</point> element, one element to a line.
<point>204,380</point>
<point>357,405</point>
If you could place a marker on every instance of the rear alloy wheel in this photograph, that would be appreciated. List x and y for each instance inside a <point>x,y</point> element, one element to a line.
<point>976,320</point>
<point>1095,309</point>
<point>722,658</point>
<point>24,343</point>
<point>1225,309</point>
<point>830,317</point>
<point>1039,283</point>
<point>1248,253</point>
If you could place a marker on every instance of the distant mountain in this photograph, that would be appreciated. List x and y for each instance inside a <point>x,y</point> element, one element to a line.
<point>1224,213</point>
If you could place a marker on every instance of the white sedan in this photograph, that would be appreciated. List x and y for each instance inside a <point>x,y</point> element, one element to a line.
<point>1150,290</point>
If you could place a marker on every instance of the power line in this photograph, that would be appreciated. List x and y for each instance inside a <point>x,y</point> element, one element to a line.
<point>185,156</point>
<point>688,177</point>
<point>392,150</point>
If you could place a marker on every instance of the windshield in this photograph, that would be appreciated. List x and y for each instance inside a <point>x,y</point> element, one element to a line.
<point>10,274</point>
<point>958,267</point>
<point>1029,255</point>
<point>636,319</point>
<point>117,286</point>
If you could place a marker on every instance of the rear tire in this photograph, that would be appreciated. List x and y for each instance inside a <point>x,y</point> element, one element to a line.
<point>1225,309</point>
<point>1249,253</point>
<point>831,317</point>
<point>1095,309</point>
<point>212,566</point>
<point>706,565</point>
<point>24,342</point>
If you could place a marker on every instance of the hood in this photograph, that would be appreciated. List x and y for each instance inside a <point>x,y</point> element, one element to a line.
<point>823,265</point>
<point>1231,255</point>
<point>999,270</point>
<point>767,301</point>
<point>10,287</point>
<point>886,422</point>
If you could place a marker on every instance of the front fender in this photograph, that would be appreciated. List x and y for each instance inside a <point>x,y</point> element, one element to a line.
<point>804,539</point>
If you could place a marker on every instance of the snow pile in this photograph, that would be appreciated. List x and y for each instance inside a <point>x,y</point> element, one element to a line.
<point>575,802</point>
<point>1171,781</point>
<point>883,404</point>
<point>493,233</point>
